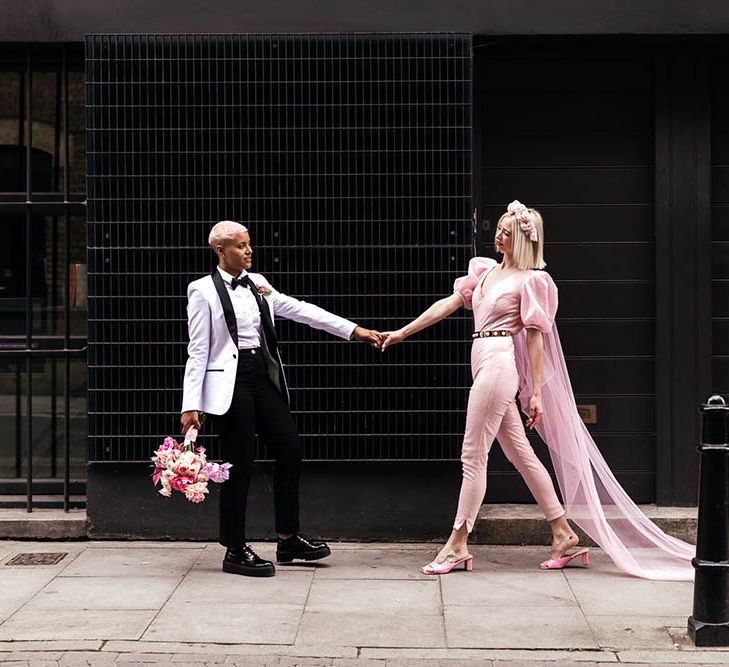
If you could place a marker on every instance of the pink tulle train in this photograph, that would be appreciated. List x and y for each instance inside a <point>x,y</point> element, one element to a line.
<point>593,498</point>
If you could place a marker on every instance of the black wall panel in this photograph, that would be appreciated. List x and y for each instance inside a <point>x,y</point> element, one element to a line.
<point>571,132</point>
<point>348,157</point>
<point>720,224</point>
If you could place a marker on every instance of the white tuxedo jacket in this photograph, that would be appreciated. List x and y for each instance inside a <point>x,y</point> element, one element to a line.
<point>213,356</point>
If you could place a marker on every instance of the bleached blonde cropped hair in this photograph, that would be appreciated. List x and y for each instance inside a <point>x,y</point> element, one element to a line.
<point>527,233</point>
<point>224,233</point>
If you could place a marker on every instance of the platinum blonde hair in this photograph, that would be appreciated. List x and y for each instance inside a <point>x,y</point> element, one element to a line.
<point>224,232</point>
<point>527,254</point>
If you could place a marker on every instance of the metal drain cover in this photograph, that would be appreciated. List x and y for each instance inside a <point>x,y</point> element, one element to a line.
<point>37,559</point>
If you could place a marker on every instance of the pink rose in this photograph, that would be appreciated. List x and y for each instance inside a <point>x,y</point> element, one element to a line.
<point>195,493</point>
<point>188,464</point>
<point>169,443</point>
<point>180,483</point>
<point>166,479</point>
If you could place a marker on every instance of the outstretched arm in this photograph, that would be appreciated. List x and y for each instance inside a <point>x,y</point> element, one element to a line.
<point>437,312</point>
<point>307,313</point>
<point>535,348</point>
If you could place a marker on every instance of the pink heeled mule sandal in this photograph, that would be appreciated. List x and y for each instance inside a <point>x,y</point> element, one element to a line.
<point>448,564</point>
<point>560,563</point>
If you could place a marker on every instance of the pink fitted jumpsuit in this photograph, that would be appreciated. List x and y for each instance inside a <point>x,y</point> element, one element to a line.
<point>524,300</point>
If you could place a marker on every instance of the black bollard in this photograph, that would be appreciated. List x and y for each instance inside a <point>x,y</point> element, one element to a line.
<point>709,623</point>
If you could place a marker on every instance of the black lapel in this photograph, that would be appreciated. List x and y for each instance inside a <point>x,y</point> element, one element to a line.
<point>269,330</point>
<point>227,305</point>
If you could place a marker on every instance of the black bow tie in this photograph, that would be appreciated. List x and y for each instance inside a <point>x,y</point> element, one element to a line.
<point>239,281</point>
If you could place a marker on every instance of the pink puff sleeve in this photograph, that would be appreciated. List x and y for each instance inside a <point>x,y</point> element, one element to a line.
<point>538,302</point>
<point>466,284</point>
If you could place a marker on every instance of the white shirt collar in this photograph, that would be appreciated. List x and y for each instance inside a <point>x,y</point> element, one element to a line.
<point>227,277</point>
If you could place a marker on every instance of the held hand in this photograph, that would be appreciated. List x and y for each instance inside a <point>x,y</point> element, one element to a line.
<point>535,411</point>
<point>370,336</point>
<point>188,419</point>
<point>392,338</point>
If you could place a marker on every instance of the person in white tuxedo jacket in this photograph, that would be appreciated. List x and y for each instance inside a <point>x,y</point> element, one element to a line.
<point>234,373</point>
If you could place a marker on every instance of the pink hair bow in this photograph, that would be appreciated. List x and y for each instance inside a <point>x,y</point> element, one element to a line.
<point>521,213</point>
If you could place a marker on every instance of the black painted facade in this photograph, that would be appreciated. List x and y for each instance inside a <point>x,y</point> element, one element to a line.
<point>617,140</point>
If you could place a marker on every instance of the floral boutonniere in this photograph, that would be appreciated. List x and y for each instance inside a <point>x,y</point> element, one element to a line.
<point>263,290</point>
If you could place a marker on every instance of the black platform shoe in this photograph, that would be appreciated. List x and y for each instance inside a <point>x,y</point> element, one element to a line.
<point>244,560</point>
<point>302,548</point>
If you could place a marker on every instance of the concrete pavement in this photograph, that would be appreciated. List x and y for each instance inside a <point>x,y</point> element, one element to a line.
<point>366,605</point>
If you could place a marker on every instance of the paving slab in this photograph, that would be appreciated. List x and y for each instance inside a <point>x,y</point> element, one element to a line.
<point>370,629</point>
<point>33,656</point>
<point>52,645</point>
<point>288,661</point>
<point>34,624</point>
<point>507,589</point>
<point>301,650</point>
<point>601,594</point>
<point>675,657</point>
<point>226,622</point>
<point>526,560</point>
<point>623,632</point>
<point>137,562</point>
<point>87,658</point>
<point>389,598</point>
<point>144,544</point>
<point>375,563</point>
<point>105,593</point>
<point>207,658</point>
<point>526,627</point>
<point>284,589</point>
<point>146,658</point>
<point>526,656</point>
<point>19,585</point>
<point>507,558</point>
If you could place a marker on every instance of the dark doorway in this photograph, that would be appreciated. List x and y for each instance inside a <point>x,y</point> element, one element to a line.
<point>569,130</point>
<point>12,259</point>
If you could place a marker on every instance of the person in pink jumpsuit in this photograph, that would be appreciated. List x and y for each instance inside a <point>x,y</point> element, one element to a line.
<point>506,298</point>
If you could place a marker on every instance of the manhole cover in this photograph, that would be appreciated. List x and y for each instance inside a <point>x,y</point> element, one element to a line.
<point>37,559</point>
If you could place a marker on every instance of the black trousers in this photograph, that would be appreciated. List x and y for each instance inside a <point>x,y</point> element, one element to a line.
<point>257,407</point>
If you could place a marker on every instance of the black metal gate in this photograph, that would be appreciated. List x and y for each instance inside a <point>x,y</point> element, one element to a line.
<point>42,277</point>
<point>348,157</point>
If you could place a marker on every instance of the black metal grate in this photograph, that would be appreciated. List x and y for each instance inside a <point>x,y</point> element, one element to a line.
<point>348,157</point>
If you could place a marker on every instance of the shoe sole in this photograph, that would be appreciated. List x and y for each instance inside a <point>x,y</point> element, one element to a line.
<point>283,557</point>
<point>231,568</point>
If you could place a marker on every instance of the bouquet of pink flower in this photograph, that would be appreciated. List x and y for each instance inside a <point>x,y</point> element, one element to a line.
<point>185,468</point>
